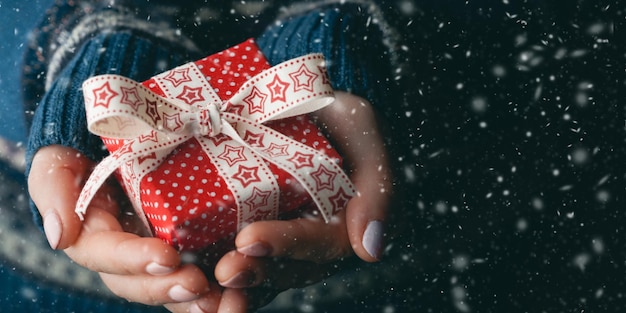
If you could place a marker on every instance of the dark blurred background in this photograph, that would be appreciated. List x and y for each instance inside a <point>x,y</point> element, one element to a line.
<point>510,156</point>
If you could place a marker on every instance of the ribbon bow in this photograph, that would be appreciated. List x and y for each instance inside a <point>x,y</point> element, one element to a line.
<point>149,127</point>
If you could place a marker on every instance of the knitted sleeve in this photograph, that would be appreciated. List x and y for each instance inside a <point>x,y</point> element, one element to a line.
<point>60,115</point>
<point>364,57</point>
<point>352,41</point>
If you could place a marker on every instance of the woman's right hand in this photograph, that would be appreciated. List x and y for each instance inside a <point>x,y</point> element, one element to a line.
<point>108,241</point>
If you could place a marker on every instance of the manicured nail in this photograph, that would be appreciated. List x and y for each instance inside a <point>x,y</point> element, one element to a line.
<point>256,249</point>
<point>52,228</point>
<point>204,305</point>
<point>179,294</point>
<point>157,269</point>
<point>373,239</point>
<point>195,308</point>
<point>240,280</point>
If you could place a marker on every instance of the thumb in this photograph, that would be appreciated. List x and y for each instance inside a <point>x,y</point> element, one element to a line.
<point>351,122</point>
<point>365,213</point>
<point>54,183</point>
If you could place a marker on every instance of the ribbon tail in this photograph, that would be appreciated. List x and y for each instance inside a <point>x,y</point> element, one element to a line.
<point>322,177</point>
<point>97,178</point>
<point>131,151</point>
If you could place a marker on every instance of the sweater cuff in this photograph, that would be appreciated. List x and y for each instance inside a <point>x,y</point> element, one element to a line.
<point>60,118</point>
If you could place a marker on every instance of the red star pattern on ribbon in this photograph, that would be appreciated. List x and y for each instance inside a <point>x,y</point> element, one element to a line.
<point>130,96</point>
<point>259,215</point>
<point>254,139</point>
<point>324,178</point>
<point>278,89</point>
<point>324,72</point>
<point>258,199</point>
<point>172,122</point>
<point>219,139</point>
<point>151,156</point>
<point>339,200</point>
<point>300,160</point>
<point>255,101</point>
<point>152,136</point>
<point>232,155</point>
<point>236,108</point>
<point>247,175</point>
<point>303,79</point>
<point>275,150</point>
<point>178,76</point>
<point>124,149</point>
<point>191,95</point>
<point>152,111</point>
<point>104,95</point>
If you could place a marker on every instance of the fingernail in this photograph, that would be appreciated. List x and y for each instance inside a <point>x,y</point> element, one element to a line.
<point>157,269</point>
<point>373,239</point>
<point>256,249</point>
<point>204,305</point>
<point>180,294</point>
<point>195,308</point>
<point>240,280</point>
<point>52,228</point>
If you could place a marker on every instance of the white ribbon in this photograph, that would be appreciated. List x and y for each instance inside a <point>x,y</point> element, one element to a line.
<point>150,126</point>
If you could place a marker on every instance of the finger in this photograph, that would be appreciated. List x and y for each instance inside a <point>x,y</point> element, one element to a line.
<point>184,285</point>
<point>104,247</point>
<point>54,183</point>
<point>351,121</point>
<point>208,303</point>
<point>233,301</point>
<point>365,215</point>
<point>236,270</point>
<point>308,239</point>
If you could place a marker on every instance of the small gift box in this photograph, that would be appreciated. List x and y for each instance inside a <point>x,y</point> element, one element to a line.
<point>206,148</point>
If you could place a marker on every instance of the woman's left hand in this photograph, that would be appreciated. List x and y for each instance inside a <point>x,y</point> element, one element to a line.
<point>273,256</point>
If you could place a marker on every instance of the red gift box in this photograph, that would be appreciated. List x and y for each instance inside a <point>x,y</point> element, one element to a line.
<point>208,147</point>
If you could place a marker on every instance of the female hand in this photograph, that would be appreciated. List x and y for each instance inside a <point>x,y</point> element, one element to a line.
<point>108,241</point>
<point>276,255</point>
